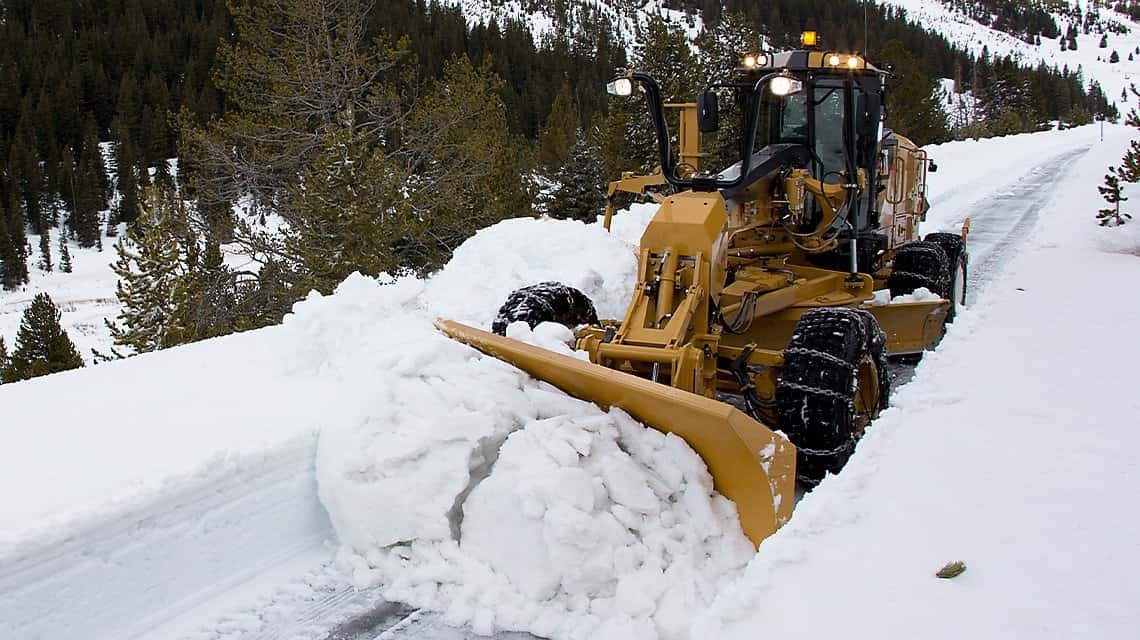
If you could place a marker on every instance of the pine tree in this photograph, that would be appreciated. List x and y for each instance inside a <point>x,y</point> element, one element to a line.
<point>126,162</point>
<point>1104,41</point>
<point>90,190</point>
<point>720,50</point>
<point>155,279</point>
<point>13,261</point>
<point>558,132</point>
<point>581,181</point>
<point>3,359</point>
<point>911,104</point>
<point>45,263</point>
<point>42,346</point>
<point>1111,216</point>
<point>64,253</point>
<point>1114,58</point>
<point>630,143</point>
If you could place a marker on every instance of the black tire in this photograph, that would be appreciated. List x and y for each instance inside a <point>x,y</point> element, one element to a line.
<point>955,250</point>
<point>834,354</point>
<point>920,264</point>
<point>545,302</point>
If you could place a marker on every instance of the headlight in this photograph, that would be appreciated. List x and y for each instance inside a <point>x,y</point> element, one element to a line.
<point>620,87</point>
<point>853,62</point>
<point>749,61</point>
<point>784,85</point>
<point>833,60</point>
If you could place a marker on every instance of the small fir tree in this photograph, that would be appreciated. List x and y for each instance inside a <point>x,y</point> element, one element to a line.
<point>1114,57</point>
<point>45,252</point>
<point>3,359</point>
<point>1129,170</point>
<point>1104,41</point>
<point>155,280</point>
<point>42,346</point>
<point>64,254</point>
<point>13,262</point>
<point>558,132</point>
<point>1111,216</point>
<point>580,182</point>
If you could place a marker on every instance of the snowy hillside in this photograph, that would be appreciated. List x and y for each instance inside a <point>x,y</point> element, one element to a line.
<point>353,471</point>
<point>545,21</point>
<point>937,16</point>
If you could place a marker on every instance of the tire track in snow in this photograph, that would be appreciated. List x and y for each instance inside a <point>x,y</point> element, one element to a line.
<point>1001,221</point>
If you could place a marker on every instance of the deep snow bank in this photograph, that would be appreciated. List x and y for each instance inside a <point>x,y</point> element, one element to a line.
<point>462,485</point>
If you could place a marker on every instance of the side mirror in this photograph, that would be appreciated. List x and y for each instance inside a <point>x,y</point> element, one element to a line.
<point>708,111</point>
<point>933,168</point>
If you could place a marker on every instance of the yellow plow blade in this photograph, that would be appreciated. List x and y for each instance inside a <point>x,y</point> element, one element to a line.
<point>749,463</point>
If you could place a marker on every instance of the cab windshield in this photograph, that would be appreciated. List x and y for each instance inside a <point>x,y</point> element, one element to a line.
<point>813,118</point>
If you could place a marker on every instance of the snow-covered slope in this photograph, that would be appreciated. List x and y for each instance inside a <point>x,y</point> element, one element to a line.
<point>140,515</point>
<point>545,21</point>
<point>938,16</point>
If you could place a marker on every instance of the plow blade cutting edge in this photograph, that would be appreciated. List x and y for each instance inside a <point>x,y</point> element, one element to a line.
<point>750,464</point>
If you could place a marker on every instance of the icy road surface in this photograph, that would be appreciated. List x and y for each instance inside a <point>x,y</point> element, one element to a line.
<point>209,529</point>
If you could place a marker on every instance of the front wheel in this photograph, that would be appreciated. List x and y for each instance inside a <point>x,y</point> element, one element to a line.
<point>833,383</point>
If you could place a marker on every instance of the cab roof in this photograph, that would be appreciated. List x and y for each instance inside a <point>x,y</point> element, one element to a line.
<point>808,60</point>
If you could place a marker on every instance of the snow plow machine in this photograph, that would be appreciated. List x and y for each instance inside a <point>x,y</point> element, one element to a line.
<point>761,322</point>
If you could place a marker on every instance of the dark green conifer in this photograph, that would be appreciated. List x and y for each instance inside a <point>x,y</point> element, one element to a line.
<point>558,132</point>
<point>64,254</point>
<point>45,263</point>
<point>42,346</point>
<point>581,183</point>
<point>1111,216</point>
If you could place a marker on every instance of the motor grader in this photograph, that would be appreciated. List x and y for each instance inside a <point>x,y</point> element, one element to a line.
<point>762,319</point>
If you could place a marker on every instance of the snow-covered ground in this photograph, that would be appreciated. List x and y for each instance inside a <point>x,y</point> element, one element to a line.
<point>198,503</point>
<point>85,297</point>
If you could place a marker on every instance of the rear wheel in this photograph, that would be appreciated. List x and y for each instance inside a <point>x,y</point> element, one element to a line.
<point>957,257</point>
<point>833,383</point>
<point>918,265</point>
<point>545,302</point>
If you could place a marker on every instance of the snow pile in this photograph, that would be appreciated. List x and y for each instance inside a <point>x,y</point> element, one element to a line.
<point>1124,239</point>
<point>588,526</point>
<point>921,294</point>
<point>521,252</point>
<point>463,485</point>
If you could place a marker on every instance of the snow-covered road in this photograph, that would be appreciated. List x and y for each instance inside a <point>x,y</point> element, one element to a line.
<point>236,544</point>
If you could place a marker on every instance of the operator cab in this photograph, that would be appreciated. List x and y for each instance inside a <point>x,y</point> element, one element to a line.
<point>822,111</point>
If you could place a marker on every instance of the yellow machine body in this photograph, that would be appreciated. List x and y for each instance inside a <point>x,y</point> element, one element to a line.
<point>707,261</point>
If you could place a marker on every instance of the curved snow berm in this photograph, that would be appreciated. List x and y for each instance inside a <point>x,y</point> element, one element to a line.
<point>138,490</point>
<point>461,485</point>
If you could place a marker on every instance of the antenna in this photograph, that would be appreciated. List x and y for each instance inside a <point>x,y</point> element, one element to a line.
<point>866,44</point>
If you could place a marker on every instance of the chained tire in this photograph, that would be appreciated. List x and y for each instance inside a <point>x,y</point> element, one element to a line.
<point>545,302</point>
<point>920,264</point>
<point>833,383</point>
<point>958,260</point>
